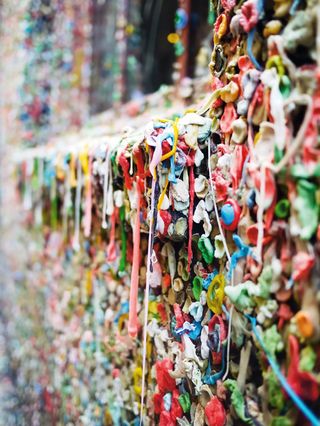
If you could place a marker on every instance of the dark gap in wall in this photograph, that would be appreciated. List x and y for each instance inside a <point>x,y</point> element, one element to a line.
<point>148,50</point>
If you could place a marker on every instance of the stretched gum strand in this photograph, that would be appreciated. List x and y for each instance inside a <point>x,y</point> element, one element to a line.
<point>262,197</point>
<point>163,193</point>
<point>190,215</point>
<point>105,191</point>
<point>88,205</point>
<point>133,301</point>
<point>146,298</point>
<point>175,142</point>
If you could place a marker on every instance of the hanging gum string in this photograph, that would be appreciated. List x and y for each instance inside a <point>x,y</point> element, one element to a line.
<point>190,215</point>
<point>260,213</point>
<point>85,161</point>
<point>105,190</point>
<point>146,298</point>
<point>76,238</point>
<point>133,316</point>
<point>283,381</point>
<point>88,204</point>
<point>123,259</point>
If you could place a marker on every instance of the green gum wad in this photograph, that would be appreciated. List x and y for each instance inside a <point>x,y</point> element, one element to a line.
<point>281,421</point>
<point>206,248</point>
<point>197,287</point>
<point>308,359</point>
<point>241,296</point>
<point>278,155</point>
<point>212,14</point>
<point>307,208</point>
<point>282,208</point>
<point>265,281</point>
<point>237,400</point>
<point>285,86</point>
<point>275,395</point>
<point>178,48</point>
<point>114,163</point>
<point>185,402</point>
<point>272,340</point>
<point>246,295</point>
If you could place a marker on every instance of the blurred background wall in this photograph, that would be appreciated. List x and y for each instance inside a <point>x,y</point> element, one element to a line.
<point>66,60</point>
